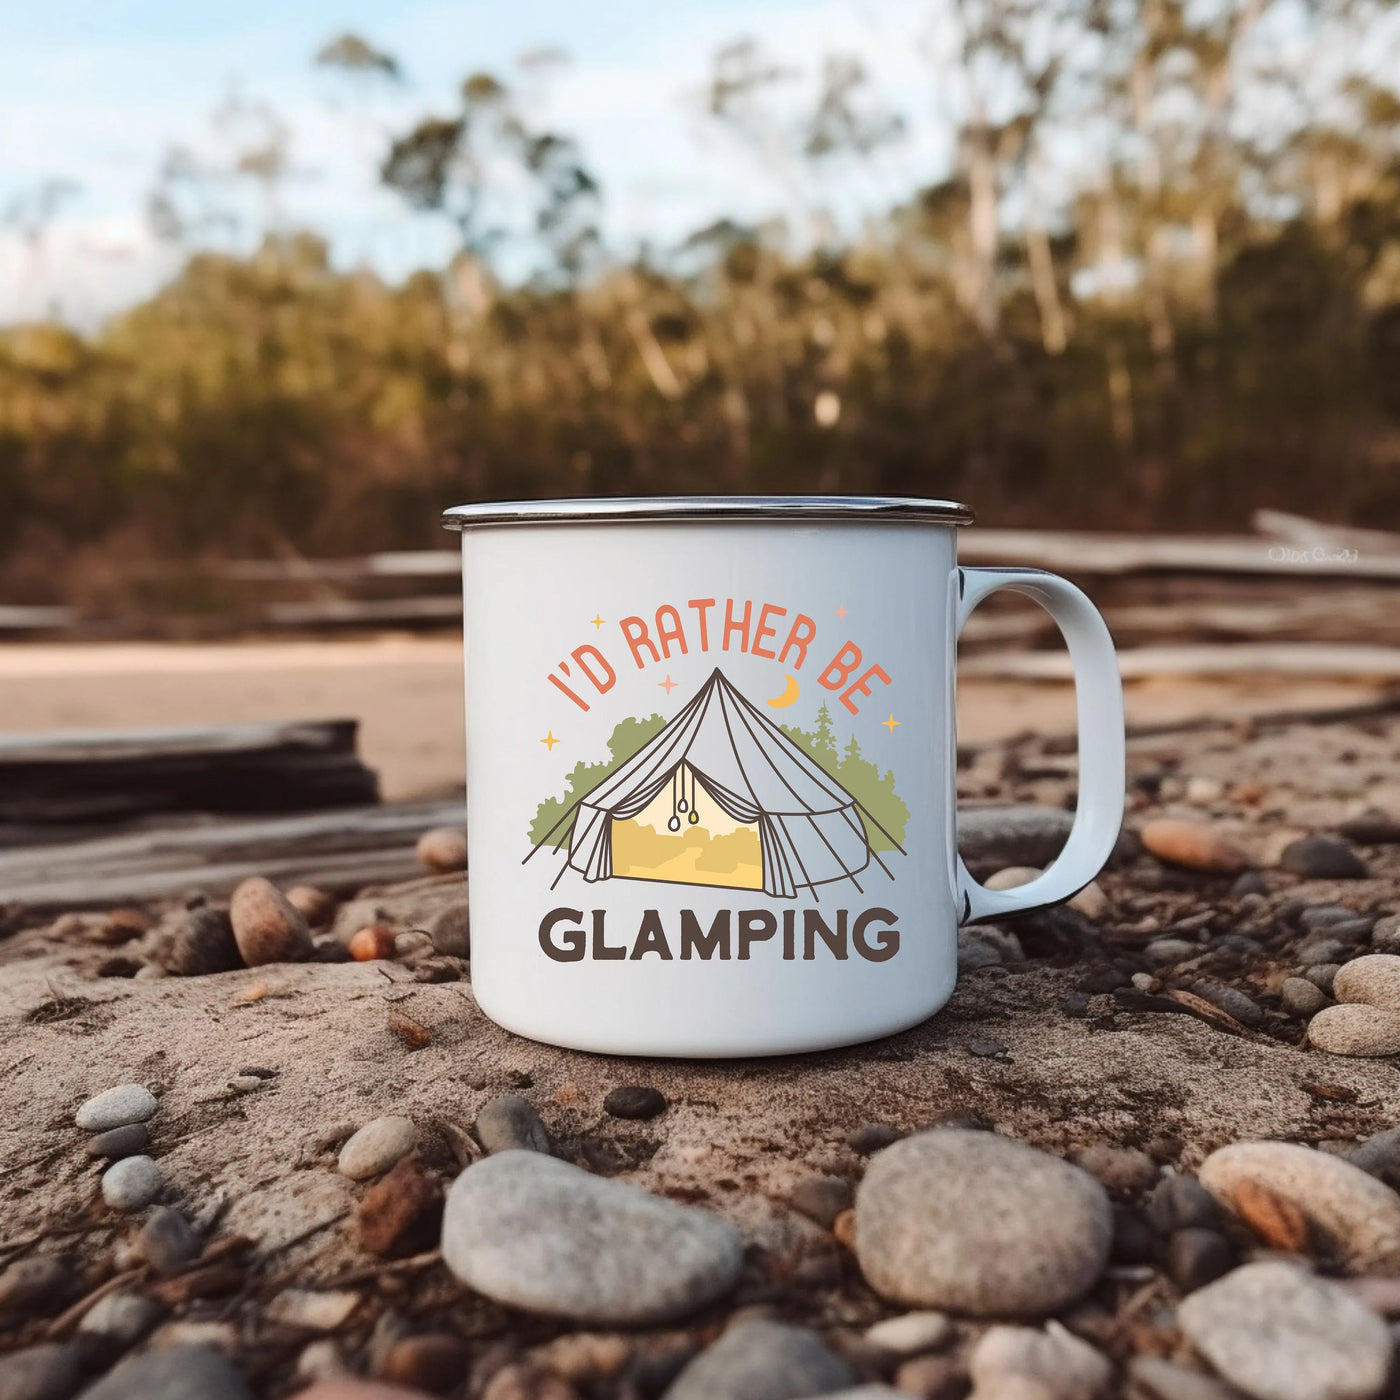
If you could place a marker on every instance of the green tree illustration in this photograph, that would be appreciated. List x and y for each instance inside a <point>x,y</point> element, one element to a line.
<point>627,737</point>
<point>861,778</point>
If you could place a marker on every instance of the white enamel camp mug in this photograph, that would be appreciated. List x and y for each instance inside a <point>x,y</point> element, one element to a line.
<point>711,767</point>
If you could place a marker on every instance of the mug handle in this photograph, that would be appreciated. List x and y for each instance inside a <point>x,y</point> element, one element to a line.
<point>1098,690</point>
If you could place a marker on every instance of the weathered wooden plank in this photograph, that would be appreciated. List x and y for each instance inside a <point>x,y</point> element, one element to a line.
<point>1236,658</point>
<point>20,618</point>
<point>365,612</point>
<point>341,850</point>
<point>233,768</point>
<point>1304,533</point>
<point>1082,552</point>
<point>1089,553</point>
<point>403,563</point>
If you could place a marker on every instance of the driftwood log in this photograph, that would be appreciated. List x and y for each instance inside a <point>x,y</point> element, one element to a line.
<point>104,776</point>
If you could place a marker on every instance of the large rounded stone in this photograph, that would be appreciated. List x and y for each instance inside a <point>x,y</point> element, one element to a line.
<point>1280,1333</point>
<point>762,1361</point>
<point>443,849</point>
<point>131,1184</point>
<point>980,1224</point>
<point>1373,979</point>
<point>268,929</point>
<point>175,1373</point>
<point>508,1122</point>
<point>376,1147</point>
<point>1193,846</point>
<point>536,1233</point>
<point>199,942</point>
<point>1351,1028</point>
<point>115,1108</point>
<point>50,1371</point>
<point>1351,1217</point>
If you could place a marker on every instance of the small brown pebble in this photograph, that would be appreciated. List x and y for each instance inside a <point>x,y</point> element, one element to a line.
<point>844,1228</point>
<point>412,1033</point>
<point>315,905</point>
<point>634,1101</point>
<point>1197,1257</point>
<point>443,849</point>
<point>1124,1170</point>
<point>434,1361</point>
<point>166,1241</point>
<point>1274,1218</point>
<point>1193,846</point>
<point>266,927</point>
<point>372,943</point>
<point>129,1140</point>
<point>1180,1202</point>
<point>120,926</point>
<point>871,1137</point>
<point>198,942</point>
<point>821,1198</point>
<point>932,1378</point>
<point>30,1285</point>
<point>400,1214</point>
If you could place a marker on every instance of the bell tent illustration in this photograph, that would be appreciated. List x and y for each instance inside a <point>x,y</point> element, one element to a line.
<point>741,804</point>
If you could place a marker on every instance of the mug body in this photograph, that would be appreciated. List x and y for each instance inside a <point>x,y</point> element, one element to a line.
<point>710,774</point>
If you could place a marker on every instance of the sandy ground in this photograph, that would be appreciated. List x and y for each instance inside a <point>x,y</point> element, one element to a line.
<point>407,694</point>
<point>737,1135</point>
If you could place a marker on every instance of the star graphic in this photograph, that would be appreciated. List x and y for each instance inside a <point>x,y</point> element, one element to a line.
<point>841,612</point>
<point>597,620</point>
<point>549,741</point>
<point>668,685</point>
<point>891,722</point>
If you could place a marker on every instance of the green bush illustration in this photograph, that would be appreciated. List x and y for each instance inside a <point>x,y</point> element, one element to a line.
<point>629,736</point>
<point>861,778</point>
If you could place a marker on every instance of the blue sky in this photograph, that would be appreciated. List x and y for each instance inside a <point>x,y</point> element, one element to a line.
<point>95,94</point>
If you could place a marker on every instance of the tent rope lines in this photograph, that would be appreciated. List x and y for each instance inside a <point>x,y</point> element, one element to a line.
<point>844,808</point>
<point>810,830</point>
<point>852,800</point>
<point>874,854</point>
<point>743,719</point>
<point>728,729</point>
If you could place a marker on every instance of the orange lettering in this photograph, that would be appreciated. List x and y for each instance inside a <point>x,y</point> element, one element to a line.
<point>581,655</point>
<point>764,630</point>
<point>666,635</point>
<point>638,639</point>
<point>740,627</point>
<point>559,685</point>
<point>702,606</point>
<point>834,677</point>
<point>803,630</point>
<point>863,687</point>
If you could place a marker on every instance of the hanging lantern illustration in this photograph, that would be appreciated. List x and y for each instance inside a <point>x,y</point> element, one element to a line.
<point>675,823</point>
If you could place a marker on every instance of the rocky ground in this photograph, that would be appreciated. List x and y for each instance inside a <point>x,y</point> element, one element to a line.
<point>1145,1151</point>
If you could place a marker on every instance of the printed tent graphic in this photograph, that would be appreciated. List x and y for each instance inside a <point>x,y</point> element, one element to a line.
<point>810,828</point>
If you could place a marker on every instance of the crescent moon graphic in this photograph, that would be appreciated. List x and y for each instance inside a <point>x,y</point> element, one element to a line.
<point>781,702</point>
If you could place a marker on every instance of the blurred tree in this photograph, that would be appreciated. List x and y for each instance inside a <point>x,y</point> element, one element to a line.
<point>1158,285</point>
